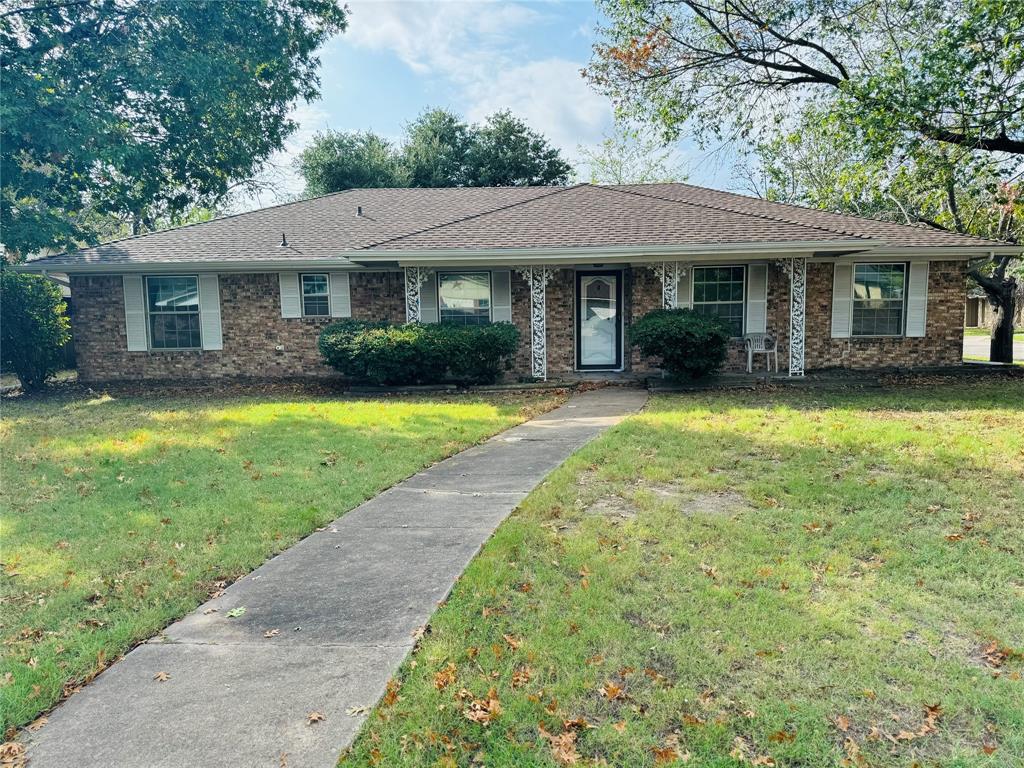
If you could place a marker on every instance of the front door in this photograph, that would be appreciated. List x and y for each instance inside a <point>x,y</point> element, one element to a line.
<point>598,320</point>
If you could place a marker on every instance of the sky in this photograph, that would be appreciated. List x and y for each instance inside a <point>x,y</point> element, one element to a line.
<point>475,58</point>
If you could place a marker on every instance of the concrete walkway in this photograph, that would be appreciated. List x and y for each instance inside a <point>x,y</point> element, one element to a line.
<point>344,602</point>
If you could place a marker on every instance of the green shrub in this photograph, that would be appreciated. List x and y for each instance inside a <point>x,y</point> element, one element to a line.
<point>385,354</point>
<point>33,327</point>
<point>689,345</point>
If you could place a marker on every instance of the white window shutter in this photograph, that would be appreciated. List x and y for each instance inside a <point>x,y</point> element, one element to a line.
<point>135,313</point>
<point>209,312</point>
<point>842,300</point>
<point>683,291</point>
<point>428,299</point>
<point>291,303</point>
<point>501,296</point>
<point>341,298</point>
<point>917,299</point>
<point>757,298</point>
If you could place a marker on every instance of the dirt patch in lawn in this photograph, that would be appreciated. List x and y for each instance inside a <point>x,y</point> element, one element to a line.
<point>612,508</point>
<point>726,503</point>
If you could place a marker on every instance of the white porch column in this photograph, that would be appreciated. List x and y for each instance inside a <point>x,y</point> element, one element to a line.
<point>414,279</point>
<point>537,279</point>
<point>797,270</point>
<point>669,273</point>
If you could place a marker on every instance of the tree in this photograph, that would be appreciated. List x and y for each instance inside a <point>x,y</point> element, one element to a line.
<point>33,327</point>
<point>630,155</point>
<point>505,152</point>
<point>439,150</point>
<point>143,109</point>
<point>337,160</point>
<point>926,85</point>
<point>436,147</point>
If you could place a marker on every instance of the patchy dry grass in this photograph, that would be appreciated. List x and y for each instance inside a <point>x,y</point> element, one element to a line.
<point>789,578</point>
<point>119,515</point>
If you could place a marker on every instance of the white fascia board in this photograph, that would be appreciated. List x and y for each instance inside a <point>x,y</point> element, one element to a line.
<point>608,254</point>
<point>929,253</point>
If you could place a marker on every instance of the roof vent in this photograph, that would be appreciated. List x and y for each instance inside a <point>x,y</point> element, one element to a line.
<point>284,241</point>
<point>359,210</point>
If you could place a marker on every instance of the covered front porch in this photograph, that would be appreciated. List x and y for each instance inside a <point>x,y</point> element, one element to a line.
<point>574,318</point>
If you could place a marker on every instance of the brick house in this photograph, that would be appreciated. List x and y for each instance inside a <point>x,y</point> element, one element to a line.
<point>572,267</point>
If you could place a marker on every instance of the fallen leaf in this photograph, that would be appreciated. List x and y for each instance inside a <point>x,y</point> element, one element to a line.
<point>357,710</point>
<point>664,755</point>
<point>577,723</point>
<point>272,633</point>
<point>780,737</point>
<point>315,717</point>
<point>484,710</point>
<point>612,691</point>
<point>763,760</point>
<point>513,642</point>
<point>521,676</point>
<point>38,723</point>
<point>843,723</point>
<point>445,676</point>
<point>162,677</point>
<point>33,662</point>
<point>234,613</point>
<point>563,746</point>
<point>390,694</point>
<point>620,726</point>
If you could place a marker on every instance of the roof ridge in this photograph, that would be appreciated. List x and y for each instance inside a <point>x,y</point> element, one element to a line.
<point>837,214</point>
<point>554,191</point>
<point>766,217</point>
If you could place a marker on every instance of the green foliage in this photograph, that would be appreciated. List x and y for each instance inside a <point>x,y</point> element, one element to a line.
<point>33,327</point>
<point>439,150</point>
<point>689,345</point>
<point>143,109</point>
<point>385,354</point>
<point>631,155</point>
<point>335,161</point>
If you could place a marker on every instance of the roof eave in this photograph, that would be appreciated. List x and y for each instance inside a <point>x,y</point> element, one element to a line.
<point>339,263</point>
<point>606,254</point>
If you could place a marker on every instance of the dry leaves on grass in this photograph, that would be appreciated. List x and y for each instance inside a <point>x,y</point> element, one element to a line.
<point>445,676</point>
<point>391,696</point>
<point>482,711</point>
<point>521,676</point>
<point>563,746</point>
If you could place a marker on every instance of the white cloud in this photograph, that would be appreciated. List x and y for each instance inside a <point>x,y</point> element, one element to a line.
<point>480,48</point>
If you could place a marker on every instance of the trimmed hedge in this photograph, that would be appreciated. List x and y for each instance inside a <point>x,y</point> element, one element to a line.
<point>34,327</point>
<point>689,345</point>
<point>385,354</point>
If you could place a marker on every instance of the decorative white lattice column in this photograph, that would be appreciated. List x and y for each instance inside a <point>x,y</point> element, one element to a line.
<point>669,273</point>
<point>537,279</point>
<point>415,277</point>
<point>797,271</point>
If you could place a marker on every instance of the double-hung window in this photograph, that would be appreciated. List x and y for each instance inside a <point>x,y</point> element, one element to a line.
<point>719,292</point>
<point>879,299</point>
<point>316,299</point>
<point>464,298</point>
<point>173,308</point>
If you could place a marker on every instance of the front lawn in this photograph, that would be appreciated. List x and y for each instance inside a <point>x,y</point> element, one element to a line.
<point>789,578</point>
<point>117,516</point>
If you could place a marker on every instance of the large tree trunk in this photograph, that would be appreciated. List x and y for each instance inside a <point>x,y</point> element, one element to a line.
<point>1001,349</point>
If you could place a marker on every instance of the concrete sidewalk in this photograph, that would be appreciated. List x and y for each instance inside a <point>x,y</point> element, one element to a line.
<point>344,602</point>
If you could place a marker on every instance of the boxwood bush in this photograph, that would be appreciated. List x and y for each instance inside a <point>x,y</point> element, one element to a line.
<point>689,345</point>
<point>385,354</point>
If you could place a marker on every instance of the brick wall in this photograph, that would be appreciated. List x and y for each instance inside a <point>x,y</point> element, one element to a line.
<point>941,345</point>
<point>253,328</point>
<point>251,324</point>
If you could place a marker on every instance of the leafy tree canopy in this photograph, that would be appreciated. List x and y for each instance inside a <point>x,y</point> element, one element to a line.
<point>144,109</point>
<point>631,155</point>
<point>439,150</point>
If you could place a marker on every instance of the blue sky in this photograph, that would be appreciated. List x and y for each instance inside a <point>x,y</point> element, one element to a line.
<point>398,58</point>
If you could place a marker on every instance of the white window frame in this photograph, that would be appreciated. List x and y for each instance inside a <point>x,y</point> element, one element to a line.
<point>149,325</point>
<point>490,289</point>
<point>853,300</point>
<point>327,292</point>
<point>742,302</point>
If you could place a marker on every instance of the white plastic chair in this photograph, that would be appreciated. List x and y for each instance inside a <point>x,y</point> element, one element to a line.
<point>761,344</point>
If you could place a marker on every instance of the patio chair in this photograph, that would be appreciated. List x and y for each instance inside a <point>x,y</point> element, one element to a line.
<point>761,344</point>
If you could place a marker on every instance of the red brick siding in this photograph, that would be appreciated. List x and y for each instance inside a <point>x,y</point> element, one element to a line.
<point>251,325</point>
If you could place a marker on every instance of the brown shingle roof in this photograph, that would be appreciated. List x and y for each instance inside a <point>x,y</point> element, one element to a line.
<point>499,217</point>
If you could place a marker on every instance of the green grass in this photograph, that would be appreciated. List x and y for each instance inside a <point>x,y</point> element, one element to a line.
<point>1017,336</point>
<point>118,516</point>
<point>784,578</point>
